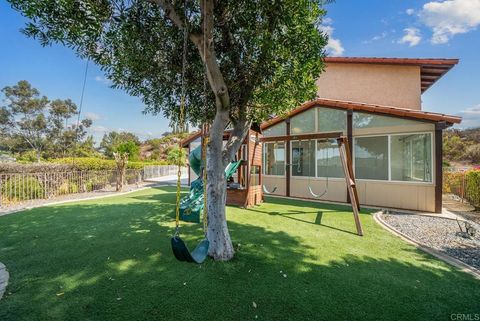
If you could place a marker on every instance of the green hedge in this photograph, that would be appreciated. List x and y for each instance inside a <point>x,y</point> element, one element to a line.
<point>472,187</point>
<point>91,163</point>
<point>14,190</point>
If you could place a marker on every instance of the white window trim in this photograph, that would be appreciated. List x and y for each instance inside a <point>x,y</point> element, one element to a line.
<point>291,158</point>
<point>432,137</point>
<point>316,162</point>
<point>264,160</point>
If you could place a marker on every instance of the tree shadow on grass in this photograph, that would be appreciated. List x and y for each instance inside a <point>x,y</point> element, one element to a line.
<point>111,260</point>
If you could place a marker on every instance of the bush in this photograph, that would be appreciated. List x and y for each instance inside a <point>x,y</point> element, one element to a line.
<point>473,153</point>
<point>91,163</point>
<point>67,188</point>
<point>472,187</point>
<point>14,190</point>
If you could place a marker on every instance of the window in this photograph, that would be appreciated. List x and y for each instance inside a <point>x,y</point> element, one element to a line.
<point>371,157</point>
<point>277,130</point>
<point>331,120</point>
<point>303,122</point>
<point>411,157</point>
<point>329,163</point>
<point>255,175</point>
<point>274,158</point>
<point>370,121</point>
<point>303,158</point>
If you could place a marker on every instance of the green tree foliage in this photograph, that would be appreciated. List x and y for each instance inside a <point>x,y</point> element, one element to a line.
<point>31,124</point>
<point>256,58</point>
<point>177,155</point>
<point>129,147</point>
<point>111,141</point>
<point>269,53</point>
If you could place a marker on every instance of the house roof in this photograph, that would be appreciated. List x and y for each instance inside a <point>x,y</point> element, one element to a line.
<point>431,69</point>
<point>198,134</point>
<point>377,109</point>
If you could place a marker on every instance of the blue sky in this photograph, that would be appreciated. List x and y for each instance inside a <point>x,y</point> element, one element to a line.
<point>377,28</point>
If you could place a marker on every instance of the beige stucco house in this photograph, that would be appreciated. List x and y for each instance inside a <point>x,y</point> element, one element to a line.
<point>396,146</point>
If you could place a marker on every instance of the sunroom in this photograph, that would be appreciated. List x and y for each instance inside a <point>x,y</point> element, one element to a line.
<point>396,154</point>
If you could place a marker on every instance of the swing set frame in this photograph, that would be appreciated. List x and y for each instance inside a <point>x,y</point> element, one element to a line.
<point>345,157</point>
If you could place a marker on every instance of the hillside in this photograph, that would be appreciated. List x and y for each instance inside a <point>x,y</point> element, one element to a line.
<point>462,146</point>
<point>157,148</point>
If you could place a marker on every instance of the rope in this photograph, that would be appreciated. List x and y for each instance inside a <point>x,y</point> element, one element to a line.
<point>205,211</point>
<point>327,176</point>
<point>181,121</point>
<point>80,108</point>
<point>206,139</point>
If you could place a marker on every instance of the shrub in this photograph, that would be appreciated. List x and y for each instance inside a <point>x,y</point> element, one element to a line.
<point>14,190</point>
<point>91,163</point>
<point>473,153</point>
<point>472,187</point>
<point>67,187</point>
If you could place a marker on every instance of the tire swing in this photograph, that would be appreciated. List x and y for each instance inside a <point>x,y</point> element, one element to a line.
<point>326,183</point>
<point>179,248</point>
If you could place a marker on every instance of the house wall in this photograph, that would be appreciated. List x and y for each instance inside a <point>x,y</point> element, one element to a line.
<point>389,85</point>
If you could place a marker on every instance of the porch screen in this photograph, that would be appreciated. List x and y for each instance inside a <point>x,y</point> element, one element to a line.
<point>274,158</point>
<point>328,159</point>
<point>411,157</point>
<point>371,157</point>
<point>303,158</point>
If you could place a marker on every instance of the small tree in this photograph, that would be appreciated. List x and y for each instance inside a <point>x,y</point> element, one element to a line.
<point>257,57</point>
<point>24,116</point>
<point>177,155</point>
<point>111,141</point>
<point>30,123</point>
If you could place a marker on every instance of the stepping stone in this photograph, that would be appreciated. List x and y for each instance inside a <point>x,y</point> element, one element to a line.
<point>3,279</point>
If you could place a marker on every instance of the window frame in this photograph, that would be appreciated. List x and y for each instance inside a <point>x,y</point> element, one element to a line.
<point>316,165</point>
<point>264,159</point>
<point>315,124</point>
<point>432,155</point>
<point>432,163</point>
<point>291,159</point>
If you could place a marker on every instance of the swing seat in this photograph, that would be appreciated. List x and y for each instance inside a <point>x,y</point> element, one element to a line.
<point>181,252</point>
<point>266,191</point>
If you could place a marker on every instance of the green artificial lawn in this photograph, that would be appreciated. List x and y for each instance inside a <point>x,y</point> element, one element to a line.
<point>110,259</point>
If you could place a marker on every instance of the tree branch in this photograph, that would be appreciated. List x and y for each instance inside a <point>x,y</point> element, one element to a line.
<point>235,140</point>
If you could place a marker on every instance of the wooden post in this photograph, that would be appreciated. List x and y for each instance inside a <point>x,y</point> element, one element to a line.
<point>287,158</point>
<point>350,180</point>
<point>438,165</point>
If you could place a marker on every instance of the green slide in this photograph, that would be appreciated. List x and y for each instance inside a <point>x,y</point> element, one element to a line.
<point>191,206</point>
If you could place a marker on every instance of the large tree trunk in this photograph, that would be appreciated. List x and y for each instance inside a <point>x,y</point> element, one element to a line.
<point>221,247</point>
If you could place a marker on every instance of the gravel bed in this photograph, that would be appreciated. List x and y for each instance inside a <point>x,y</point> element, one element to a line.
<point>440,234</point>
<point>4,210</point>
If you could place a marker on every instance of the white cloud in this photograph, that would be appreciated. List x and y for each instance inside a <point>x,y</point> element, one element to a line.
<point>376,38</point>
<point>103,80</point>
<point>99,129</point>
<point>450,17</point>
<point>334,46</point>
<point>92,116</point>
<point>412,37</point>
<point>470,117</point>
<point>410,11</point>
